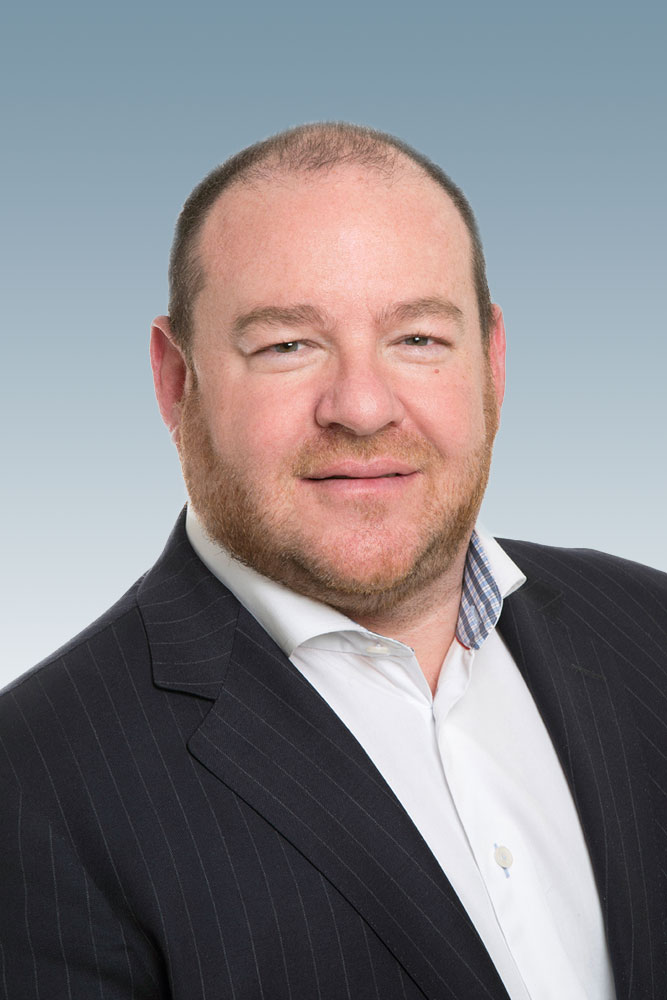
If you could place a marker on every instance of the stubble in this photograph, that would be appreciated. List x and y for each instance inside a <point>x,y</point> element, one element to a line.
<point>265,532</point>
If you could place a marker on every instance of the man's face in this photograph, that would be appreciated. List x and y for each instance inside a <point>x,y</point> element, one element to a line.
<point>337,436</point>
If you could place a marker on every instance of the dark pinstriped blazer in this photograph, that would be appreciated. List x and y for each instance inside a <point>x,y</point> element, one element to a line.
<point>183,816</point>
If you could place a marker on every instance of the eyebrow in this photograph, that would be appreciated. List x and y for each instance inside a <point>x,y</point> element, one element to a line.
<point>303,314</point>
<point>298,315</point>
<point>400,312</point>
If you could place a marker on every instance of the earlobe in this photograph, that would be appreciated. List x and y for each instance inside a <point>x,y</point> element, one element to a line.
<point>169,373</point>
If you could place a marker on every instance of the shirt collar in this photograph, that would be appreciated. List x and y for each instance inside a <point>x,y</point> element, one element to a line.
<point>292,619</point>
<point>489,576</point>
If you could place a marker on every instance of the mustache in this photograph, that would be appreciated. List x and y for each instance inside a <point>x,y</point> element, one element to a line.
<point>334,447</point>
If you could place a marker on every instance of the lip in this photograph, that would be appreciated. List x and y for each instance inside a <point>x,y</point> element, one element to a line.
<point>375,469</point>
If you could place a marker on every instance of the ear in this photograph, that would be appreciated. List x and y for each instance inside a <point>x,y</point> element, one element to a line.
<point>170,373</point>
<point>496,354</point>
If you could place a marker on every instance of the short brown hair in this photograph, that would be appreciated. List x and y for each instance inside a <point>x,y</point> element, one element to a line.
<point>306,148</point>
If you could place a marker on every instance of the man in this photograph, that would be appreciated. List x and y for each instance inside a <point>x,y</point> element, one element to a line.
<point>306,755</point>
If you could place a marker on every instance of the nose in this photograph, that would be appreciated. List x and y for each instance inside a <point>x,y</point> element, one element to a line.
<point>359,399</point>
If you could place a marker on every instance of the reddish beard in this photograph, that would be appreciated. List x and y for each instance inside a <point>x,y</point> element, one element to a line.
<point>264,532</point>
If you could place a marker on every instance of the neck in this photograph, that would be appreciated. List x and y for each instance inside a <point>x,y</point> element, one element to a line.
<point>427,624</point>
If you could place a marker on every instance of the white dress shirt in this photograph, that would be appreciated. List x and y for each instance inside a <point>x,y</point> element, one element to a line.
<point>472,765</point>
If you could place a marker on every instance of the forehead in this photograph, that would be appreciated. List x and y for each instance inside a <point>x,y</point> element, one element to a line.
<point>298,233</point>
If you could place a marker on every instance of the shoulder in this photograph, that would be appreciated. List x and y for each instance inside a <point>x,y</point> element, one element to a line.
<point>99,634</point>
<point>64,702</point>
<point>583,567</point>
<point>623,594</point>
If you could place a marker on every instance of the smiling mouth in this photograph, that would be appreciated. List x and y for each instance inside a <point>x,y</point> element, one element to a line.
<point>352,470</point>
<point>386,475</point>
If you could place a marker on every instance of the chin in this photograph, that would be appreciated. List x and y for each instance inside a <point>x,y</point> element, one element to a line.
<point>366,563</point>
<point>370,579</point>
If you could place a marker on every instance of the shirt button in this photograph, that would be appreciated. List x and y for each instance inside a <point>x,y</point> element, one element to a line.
<point>503,857</point>
<point>377,647</point>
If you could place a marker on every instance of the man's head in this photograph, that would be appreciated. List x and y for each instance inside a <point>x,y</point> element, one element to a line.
<point>332,389</point>
<point>307,149</point>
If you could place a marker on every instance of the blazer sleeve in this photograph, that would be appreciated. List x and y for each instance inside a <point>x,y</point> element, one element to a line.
<point>59,936</point>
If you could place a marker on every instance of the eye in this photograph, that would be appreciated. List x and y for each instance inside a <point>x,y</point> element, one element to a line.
<point>422,348</point>
<point>283,356</point>
<point>418,340</point>
<point>287,347</point>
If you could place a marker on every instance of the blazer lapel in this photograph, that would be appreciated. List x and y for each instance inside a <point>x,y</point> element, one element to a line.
<point>573,666</point>
<point>271,738</point>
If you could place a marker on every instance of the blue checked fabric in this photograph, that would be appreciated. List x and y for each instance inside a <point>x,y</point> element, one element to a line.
<point>481,602</point>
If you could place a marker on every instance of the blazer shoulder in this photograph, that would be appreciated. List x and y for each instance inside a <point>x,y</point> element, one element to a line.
<point>563,560</point>
<point>631,594</point>
<point>98,629</point>
<point>48,706</point>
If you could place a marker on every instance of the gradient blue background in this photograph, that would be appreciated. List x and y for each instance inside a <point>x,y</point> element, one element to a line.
<point>552,119</point>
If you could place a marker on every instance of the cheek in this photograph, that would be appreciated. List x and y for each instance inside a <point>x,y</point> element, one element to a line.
<point>259,428</point>
<point>451,415</point>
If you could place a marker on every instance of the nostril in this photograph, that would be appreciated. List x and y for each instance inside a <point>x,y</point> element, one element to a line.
<point>360,405</point>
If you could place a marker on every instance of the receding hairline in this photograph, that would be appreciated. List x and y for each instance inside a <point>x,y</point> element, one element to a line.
<point>299,153</point>
<point>281,176</point>
<point>279,171</point>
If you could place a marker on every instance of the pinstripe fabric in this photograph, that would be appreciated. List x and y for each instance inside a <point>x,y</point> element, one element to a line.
<point>590,634</point>
<point>184,817</point>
